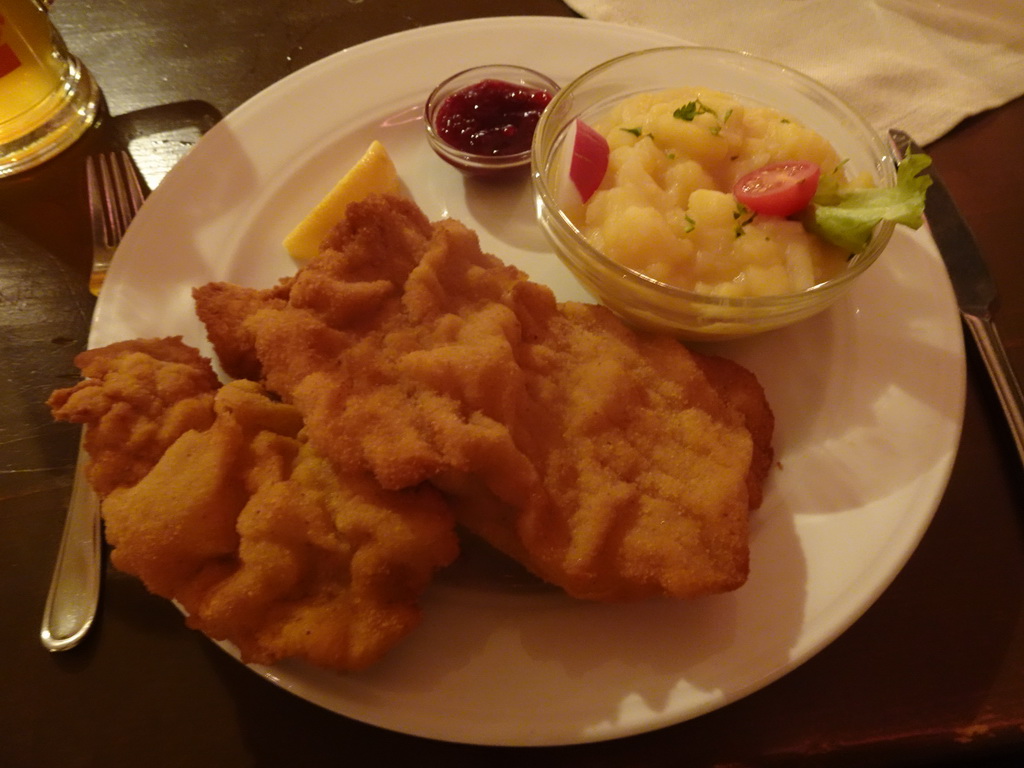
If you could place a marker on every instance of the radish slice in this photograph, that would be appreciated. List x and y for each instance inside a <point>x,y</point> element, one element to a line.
<point>582,165</point>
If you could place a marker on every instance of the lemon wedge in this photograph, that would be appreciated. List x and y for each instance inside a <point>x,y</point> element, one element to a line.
<point>373,173</point>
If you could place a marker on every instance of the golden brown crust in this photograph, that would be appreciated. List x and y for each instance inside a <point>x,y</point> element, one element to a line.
<point>603,459</point>
<point>409,380</point>
<point>744,392</point>
<point>241,522</point>
<point>222,308</point>
<point>137,397</point>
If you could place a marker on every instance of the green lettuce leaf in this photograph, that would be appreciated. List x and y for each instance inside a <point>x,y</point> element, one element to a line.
<point>848,218</point>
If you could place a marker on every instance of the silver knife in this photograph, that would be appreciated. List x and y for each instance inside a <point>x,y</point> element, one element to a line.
<point>75,589</point>
<point>975,291</point>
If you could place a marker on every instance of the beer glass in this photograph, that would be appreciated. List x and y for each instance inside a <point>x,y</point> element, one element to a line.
<point>47,98</point>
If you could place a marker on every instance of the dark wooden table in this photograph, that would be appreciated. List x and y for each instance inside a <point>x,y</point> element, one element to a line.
<point>932,674</point>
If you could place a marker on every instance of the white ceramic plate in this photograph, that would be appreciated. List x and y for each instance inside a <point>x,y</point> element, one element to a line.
<point>868,397</point>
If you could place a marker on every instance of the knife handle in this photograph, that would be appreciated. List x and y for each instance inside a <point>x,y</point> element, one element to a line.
<point>1006,385</point>
<point>75,589</point>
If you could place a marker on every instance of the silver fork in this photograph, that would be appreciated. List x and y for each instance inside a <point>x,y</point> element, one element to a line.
<point>115,195</point>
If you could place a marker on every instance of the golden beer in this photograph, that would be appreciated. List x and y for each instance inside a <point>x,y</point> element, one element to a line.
<point>47,98</point>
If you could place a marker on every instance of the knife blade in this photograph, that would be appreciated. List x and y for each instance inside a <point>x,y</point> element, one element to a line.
<point>973,285</point>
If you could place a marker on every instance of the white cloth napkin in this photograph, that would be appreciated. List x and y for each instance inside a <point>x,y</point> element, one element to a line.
<point>920,65</point>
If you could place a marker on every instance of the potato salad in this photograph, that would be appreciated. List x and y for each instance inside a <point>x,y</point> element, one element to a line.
<point>705,193</point>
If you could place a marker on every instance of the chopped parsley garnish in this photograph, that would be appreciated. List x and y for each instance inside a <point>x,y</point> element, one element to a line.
<point>691,109</point>
<point>743,216</point>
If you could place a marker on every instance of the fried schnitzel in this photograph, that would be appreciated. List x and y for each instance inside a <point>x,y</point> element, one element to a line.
<point>615,464</point>
<point>137,397</point>
<point>239,519</point>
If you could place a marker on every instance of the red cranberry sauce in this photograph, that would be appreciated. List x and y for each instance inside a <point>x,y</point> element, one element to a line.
<point>491,117</point>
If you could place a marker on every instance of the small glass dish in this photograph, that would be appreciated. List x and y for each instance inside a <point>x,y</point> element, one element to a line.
<point>644,301</point>
<point>468,161</point>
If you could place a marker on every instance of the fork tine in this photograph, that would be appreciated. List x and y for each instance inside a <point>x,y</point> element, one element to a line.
<point>111,180</point>
<point>97,204</point>
<point>125,192</point>
<point>115,196</point>
<point>135,192</point>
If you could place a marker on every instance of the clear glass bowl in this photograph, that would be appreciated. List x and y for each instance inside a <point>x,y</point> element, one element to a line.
<point>469,162</point>
<point>644,301</point>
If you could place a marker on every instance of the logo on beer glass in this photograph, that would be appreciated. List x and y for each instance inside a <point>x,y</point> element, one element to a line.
<point>8,58</point>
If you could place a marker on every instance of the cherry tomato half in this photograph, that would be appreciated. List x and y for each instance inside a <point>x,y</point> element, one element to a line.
<point>779,189</point>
